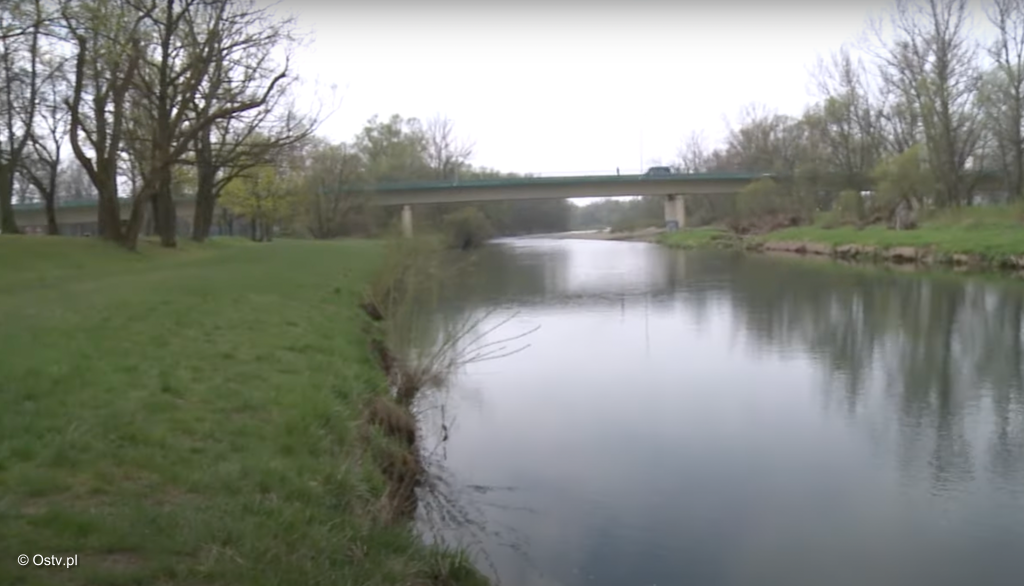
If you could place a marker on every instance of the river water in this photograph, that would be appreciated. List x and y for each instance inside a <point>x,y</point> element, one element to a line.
<point>678,418</point>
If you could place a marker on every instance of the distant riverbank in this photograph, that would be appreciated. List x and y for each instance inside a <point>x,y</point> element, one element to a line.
<point>642,235</point>
<point>989,238</point>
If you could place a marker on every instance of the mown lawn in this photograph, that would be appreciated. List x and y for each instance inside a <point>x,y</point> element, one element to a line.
<point>192,417</point>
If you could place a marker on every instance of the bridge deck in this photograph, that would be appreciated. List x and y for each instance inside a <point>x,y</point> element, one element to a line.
<point>512,188</point>
<point>552,181</point>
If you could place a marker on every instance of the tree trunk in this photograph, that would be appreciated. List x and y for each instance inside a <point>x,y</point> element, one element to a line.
<point>8,225</point>
<point>108,207</point>
<point>162,203</point>
<point>202,221</point>
<point>226,221</point>
<point>50,198</point>
<point>206,199</point>
<point>205,204</point>
<point>109,219</point>
<point>51,216</point>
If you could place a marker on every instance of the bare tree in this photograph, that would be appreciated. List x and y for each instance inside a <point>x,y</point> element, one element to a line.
<point>108,50</point>
<point>446,154</point>
<point>330,169</point>
<point>763,141</point>
<point>845,121</point>
<point>898,114</point>
<point>1003,94</point>
<point>42,168</point>
<point>73,183</point>
<point>187,48</point>
<point>231,146</point>
<point>693,156</point>
<point>21,25</point>
<point>932,60</point>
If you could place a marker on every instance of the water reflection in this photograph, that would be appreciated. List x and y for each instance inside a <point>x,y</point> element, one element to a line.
<point>708,418</point>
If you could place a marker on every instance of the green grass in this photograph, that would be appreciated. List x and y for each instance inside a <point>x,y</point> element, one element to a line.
<point>994,231</point>
<point>699,238</point>
<point>193,417</point>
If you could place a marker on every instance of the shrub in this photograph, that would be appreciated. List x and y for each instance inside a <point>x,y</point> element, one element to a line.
<point>850,206</point>
<point>766,205</point>
<point>902,182</point>
<point>466,228</point>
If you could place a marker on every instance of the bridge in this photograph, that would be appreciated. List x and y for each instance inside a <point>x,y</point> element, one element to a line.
<point>671,186</point>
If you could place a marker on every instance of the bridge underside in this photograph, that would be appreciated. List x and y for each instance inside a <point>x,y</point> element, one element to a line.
<point>553,190</point>
<point>673,189</point>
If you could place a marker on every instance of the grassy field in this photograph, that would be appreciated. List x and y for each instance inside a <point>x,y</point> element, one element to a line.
<point>194,417</point>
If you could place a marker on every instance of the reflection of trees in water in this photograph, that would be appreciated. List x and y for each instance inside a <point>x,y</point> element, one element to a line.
<point>940,344</point>
<point>496,273</point>
<point>934,357</point>
<point>932,345</point>
<point>526,276</point>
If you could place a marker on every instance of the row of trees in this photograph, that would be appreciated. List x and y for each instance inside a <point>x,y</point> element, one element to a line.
<point>145,94</point>
<point>149,100</point>
<point>619,214</point>
<point>160,97</point>
<point>919,108</point>
<point>304,191</point>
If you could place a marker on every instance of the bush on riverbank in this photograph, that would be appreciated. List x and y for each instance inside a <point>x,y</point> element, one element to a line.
<point>850,209</point>
<point>466,228</point>
<point>766,205</point>
<point>198,416</point>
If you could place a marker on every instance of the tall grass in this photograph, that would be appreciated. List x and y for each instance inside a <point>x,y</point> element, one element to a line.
<point>425,347</point>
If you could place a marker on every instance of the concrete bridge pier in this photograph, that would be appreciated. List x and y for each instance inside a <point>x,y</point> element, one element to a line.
<point>407,221</point>
<point>675,212</point>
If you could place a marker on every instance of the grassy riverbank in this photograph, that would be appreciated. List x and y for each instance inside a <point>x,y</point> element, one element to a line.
<point>197,416</point>
<point>989,236</point>
<point>705,237</point>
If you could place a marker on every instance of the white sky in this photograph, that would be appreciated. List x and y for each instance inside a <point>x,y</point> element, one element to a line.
<point>570,87</point>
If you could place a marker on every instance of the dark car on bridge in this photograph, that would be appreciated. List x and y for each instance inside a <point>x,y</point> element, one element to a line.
<point>658,171</point>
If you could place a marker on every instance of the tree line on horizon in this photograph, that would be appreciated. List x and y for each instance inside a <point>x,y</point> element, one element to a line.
<point>911,115</point>
<point>151,100</point>
<point>146,100</point>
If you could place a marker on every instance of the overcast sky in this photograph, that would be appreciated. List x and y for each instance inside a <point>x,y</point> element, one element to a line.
<point>569,86</point>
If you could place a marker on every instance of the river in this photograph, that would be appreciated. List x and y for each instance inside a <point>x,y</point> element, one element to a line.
<point>708,418</point>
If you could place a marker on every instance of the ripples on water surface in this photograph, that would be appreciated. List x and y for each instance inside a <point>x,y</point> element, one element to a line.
<point>716,419</point>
